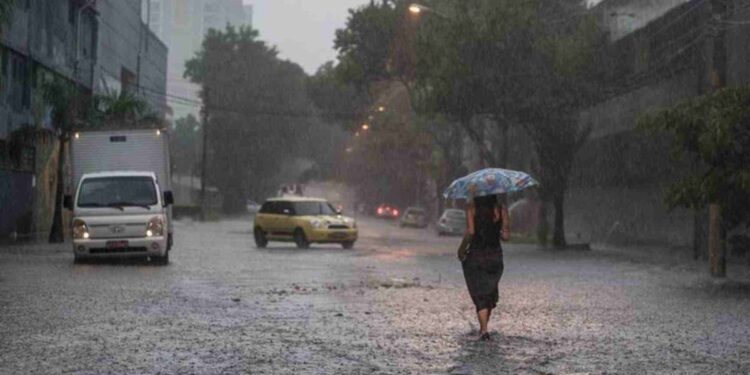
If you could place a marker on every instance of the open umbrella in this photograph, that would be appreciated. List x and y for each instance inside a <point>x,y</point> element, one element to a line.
<point>488,181</point>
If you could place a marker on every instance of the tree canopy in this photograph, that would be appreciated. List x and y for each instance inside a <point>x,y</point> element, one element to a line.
<point>713,131</point>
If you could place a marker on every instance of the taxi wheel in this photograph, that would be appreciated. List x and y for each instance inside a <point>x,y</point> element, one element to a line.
<point>260,238</point>
<point>300,239</point>
<point>347,245</point>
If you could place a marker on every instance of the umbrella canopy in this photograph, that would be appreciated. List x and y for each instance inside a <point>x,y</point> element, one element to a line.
<point>489,181</point>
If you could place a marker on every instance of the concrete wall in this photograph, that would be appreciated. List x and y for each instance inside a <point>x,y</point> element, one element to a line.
<point>15,201</point>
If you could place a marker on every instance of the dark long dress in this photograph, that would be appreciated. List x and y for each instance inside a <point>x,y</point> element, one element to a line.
<point>484,266</point>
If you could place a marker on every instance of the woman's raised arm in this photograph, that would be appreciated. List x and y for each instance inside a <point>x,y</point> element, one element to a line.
<point>470,220</point>
<point>505,231</point>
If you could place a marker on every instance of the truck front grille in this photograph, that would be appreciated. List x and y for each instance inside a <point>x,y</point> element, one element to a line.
<point>104,250</point>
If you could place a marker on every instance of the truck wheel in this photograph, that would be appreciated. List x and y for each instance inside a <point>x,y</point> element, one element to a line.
<point>260,238</point>
<point>170,241</point>
<point>347,245</point>
<point>162,261</point>
<point>78,259</point>
<point>300,239</point>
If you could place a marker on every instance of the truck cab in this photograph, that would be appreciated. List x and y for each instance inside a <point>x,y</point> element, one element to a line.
<point>120,213</point>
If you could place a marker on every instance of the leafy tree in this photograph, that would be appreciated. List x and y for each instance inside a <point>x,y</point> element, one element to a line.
<point>69,109</point>
<point>714,131</point>
<point>531,63</point>
<point>338,102</point>
<point>257,107</point>
<point>186,140</point>
<point>364,45</point>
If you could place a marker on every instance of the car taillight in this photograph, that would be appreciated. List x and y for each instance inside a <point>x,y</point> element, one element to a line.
<point>395,212</point>
<point>380,211</point>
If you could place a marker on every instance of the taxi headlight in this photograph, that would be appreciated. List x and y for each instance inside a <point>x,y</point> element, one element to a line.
<point>155,227</point>
<point>80,229</point>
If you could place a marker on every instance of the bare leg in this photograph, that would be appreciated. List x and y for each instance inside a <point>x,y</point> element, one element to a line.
<point>484,317</point>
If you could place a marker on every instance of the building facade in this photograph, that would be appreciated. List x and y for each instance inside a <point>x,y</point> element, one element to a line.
<point>98,46</point>
<point>181,24</point>
<point>666,59</point>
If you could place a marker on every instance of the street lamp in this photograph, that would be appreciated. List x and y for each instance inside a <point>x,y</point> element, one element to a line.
<point>417,9</point>
<point>365,127</point>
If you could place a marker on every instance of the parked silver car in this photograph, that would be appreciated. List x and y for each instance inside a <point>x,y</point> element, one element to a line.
<point>414,217</point>
<point>451,222</point>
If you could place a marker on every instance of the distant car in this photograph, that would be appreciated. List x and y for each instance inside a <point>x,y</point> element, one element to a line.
<point>414,217</point>
<point>302,221</point>
<point>386,211</point>
<point>452,222</point>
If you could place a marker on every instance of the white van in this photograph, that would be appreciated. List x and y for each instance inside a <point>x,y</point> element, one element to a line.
<point>121,206</point>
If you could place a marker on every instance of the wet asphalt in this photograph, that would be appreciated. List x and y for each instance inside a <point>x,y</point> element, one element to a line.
<point>396,304</point>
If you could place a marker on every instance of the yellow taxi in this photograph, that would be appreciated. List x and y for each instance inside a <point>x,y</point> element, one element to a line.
<point>303,221</point>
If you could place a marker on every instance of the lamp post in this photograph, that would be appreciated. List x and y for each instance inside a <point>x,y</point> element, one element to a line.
<point>417,9</point>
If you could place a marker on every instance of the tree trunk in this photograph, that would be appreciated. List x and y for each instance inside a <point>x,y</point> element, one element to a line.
<point>558,236</point>
<point>716,249</point>
<point>700,235</point>
<point>542,230</point>
<point>57,234</point>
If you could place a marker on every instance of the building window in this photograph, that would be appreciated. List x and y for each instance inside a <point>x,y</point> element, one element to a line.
<point>18,85</point>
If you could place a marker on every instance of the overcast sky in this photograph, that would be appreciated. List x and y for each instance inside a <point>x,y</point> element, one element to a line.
<point>302,30</point>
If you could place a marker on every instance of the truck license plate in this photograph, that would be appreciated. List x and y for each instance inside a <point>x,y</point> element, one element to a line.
<point>117,244</point>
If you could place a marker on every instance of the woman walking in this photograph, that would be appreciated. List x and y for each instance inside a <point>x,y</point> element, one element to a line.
<point>487,224</point>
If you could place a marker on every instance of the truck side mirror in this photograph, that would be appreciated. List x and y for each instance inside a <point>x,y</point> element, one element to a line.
<point>68,201</point>
<point>168,198</point>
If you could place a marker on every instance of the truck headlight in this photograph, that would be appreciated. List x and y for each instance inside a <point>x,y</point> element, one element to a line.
<point>80,229</point>
<point>317,224</point>
<point>155,227</point>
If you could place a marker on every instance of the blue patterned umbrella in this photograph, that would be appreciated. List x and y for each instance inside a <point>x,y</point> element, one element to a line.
<point>489,181</point>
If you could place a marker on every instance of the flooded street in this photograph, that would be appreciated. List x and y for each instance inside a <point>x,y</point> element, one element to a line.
<point>395,304</point>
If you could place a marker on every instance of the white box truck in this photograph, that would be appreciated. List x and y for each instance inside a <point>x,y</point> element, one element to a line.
<point>121,206</point>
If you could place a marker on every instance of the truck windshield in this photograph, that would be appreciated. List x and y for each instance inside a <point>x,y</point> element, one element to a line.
<point>117,192</point>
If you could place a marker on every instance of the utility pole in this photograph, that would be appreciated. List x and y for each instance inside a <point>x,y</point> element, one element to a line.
<point>718,74</point>
<point>204,157</point>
